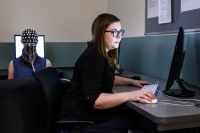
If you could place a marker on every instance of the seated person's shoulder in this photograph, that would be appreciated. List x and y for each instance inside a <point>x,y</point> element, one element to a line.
<point>10,65</point>
<point>10,70</point>
<point>48,63</point>
<point>11,62</point>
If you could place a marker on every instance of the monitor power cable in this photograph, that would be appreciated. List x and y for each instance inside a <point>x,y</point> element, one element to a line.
<point>187,84</point>
<point>177,100</point>
<point>119,70</point>
<point>65,74</point>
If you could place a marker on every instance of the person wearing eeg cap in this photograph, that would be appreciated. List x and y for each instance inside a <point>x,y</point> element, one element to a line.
<point>29,61</point>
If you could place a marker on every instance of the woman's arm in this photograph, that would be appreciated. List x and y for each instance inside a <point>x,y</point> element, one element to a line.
<point>10,70</point>
<point>127,81</point>
<point>107,100</point>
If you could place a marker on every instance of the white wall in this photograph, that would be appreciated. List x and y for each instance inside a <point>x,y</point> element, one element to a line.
<point>131,14</point>
<point>58,20</point>
<point>67,20</point>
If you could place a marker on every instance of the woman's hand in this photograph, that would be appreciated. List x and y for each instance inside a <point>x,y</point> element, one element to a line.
<point>141,96</point>
<point>140,83</point>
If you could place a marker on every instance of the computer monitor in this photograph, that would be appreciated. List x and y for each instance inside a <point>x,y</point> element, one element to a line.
<point>40,47</point>
<point>175,70</point>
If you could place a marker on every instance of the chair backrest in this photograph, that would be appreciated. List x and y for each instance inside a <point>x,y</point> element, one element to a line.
<point>23,107</point>
<point>53,91</point>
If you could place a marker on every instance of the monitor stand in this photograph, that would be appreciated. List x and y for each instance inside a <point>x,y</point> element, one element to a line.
<point>182,92</point>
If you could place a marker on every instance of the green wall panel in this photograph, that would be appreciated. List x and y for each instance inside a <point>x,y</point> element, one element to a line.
<point>148,55</point>
<point>61,54</point>
<point>152,56</point>
<point>64,54</point>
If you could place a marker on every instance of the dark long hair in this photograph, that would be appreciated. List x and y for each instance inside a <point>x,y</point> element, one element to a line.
<point>26,63</point>
<point>98,30</point>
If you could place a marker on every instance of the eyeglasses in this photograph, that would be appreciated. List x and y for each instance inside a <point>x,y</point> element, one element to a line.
<point>116,32</point>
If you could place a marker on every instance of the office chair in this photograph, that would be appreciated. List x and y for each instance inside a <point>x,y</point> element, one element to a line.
<point>22,106</point>
<point>51,84</point>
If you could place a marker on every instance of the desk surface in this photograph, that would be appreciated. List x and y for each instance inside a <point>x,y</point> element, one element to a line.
<point>166,116</point>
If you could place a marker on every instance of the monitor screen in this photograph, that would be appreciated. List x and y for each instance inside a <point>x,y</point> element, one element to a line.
<point>40,47</point>
<point>175,69</point>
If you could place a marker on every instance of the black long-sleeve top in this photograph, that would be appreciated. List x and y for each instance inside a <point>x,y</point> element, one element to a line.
<point>92,76</point>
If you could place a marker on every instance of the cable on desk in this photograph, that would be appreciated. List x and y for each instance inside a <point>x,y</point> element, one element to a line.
<point>65,74</point>
<point>177,98</point>
<point>185,83</point>
<point>179,101</point>
<point>191,104</point>
<point>119,70</point>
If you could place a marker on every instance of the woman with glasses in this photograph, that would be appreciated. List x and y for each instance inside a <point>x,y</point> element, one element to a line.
<point>90,92</point>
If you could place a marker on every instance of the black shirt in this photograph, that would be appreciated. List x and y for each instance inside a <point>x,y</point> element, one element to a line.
<point>92,76</point>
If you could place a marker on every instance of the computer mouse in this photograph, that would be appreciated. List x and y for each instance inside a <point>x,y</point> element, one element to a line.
<point>136,77</point>
<point>152,101</point>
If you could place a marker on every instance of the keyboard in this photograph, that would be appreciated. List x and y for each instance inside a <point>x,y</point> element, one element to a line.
<point>152,88</point>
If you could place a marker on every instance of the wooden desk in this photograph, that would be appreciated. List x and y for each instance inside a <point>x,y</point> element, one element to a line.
<point>167,117</point>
